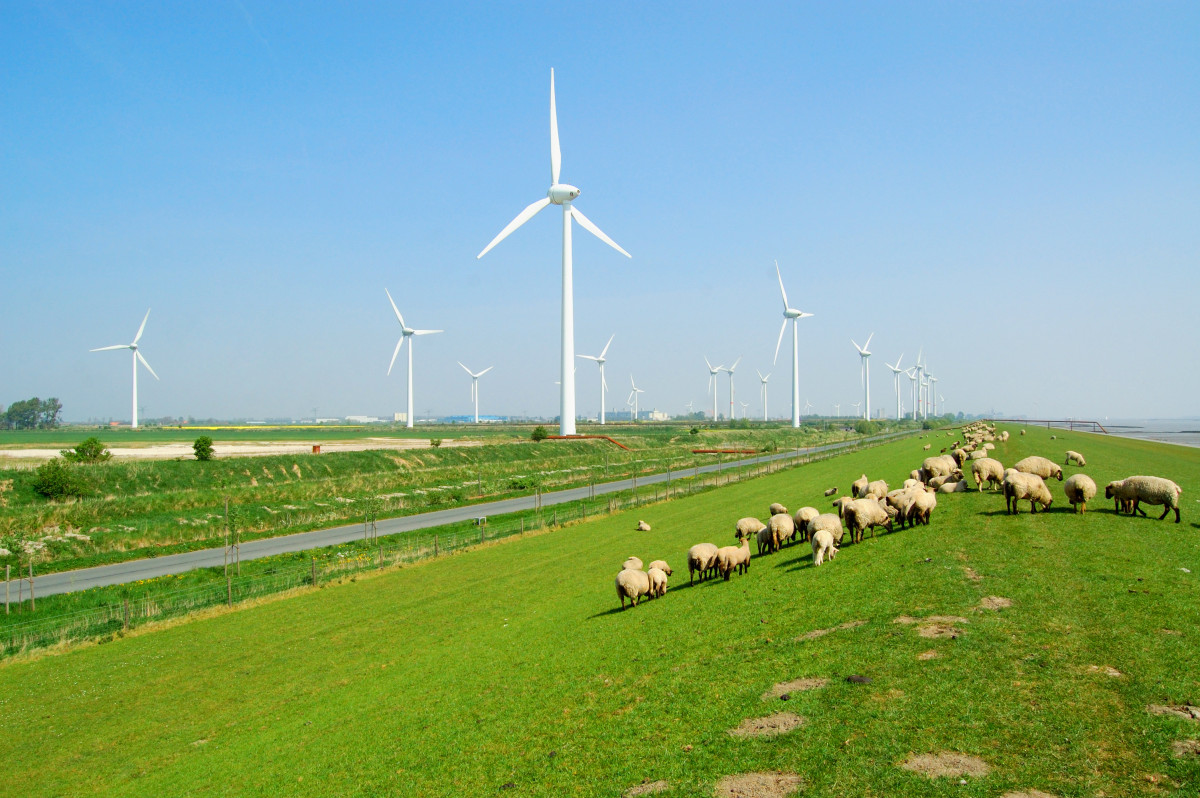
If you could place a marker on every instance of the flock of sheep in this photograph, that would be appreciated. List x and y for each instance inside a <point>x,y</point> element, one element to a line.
<point>873,505</point>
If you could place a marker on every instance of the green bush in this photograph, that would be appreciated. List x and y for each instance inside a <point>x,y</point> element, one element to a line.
<point>90,451</point>
<point>435,442</point>
<point>56,480</point>
<point>203,447</point>
<point>540,433</point>
<point>695,430</point>
<point>864,427</point>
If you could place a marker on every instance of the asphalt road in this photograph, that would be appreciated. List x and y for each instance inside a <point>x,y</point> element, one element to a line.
<point>120,573</point>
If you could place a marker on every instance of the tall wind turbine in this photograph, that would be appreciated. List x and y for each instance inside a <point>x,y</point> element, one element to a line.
<point>863,354</point>
<point>600,360</point>
<point>837,408</point>
<point>763,391</point>
<point>744,405</point>
<point>713,371</point>
<point>856,405</point>
<point>896,372</point>
<point>634,393</point>
<point>406,332</point>
<point>730,370</point>
<point>136,357</point>
<point>474,385</point>
<point>911,373</point>
<point>934,394</point>
<point>790,313</point>
<point>560,194</point>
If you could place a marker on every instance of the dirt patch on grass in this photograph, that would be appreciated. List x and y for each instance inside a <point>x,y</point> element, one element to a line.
<point>770,726</point>
<point>1186,747</point>
<point>930,654</point>
<point>995,603</point>
<point>1028,794</point>
<point>647,788</point>
<point>972,574</point>
<point>947,763</point>
<point>758,785</point>
<point>815,633</point>
<point>939,630</point>
<point>1107,670</point>
<point>795,686</point>
<point>1185,711</point>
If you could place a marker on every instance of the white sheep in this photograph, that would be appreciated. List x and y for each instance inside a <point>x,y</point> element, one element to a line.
<point>923,506</point>
<point>632,564</point>
<point>913,483</point>
<point>632,584</point>
<point>662,565</point>
<point>822,546</point>
<point>1079,488</point>
<point>702,559</point>
<point>731,557</point>
<point>979,454</point>
<point>840,505</point>
<point>877,489</point>
<point>988,470</point>
<point>1020,485</point>
<point>927,447</point>
<point>776,508</point>
<point>801,519</point>
<point>1075,458</point>
<point>831,491</point>
<point>863,514</point>
<point>937,466</point>
<point>748,526</point>
<point>1043,467</point>
<point>826,522</point>
<point>859,487</point>
<point>782,528</point>
<point>1150,490</point>
<point>766,540</point>
<point>953,487</point>
<point>987,447</point>
<point>658,582</point>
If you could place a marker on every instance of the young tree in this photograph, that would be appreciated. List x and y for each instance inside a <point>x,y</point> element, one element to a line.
<point>203,447</point>
<point>539,433</point>
<point>90,451</point>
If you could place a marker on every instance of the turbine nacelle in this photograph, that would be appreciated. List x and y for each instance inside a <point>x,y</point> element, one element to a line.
<point>561,192</point>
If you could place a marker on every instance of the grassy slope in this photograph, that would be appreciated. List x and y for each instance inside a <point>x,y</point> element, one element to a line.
<point>510,665</point>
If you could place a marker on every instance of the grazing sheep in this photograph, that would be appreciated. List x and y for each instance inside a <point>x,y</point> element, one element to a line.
<point>960,455</point>
<point>923,506</point>
<point>877,489</point>
<point>1022,432</point>
<point>822,546</point>
<point>782,528</point>
<point>731,557</point>
<point>987,447</point>
<point>1151,490</point>
<point>766,540</point>
<point>632,584</point>
<point>1004,435</point>
<point>831,491</point>
<point>632,564</point>
<point>859,487</point>
<point>658,582</point>
<point>902,501</point>
<point>702,559</point>
<point>988,470</point>
<point>840,505</point>
<point>826,522</point>
<point>953,487</point>
<point>1075,458</point>
<point>927,447</point>
<point>662,565</point>
<point>1079,488</point>
<point>937,466</point>
<point>801,519</point>
<point>643,526</point>
<point>1020,485</point>
<point>1041,466</point>
<point>748,526</point>
<point>777,508</point>
<point>979,454</point>
<point>864,514</point>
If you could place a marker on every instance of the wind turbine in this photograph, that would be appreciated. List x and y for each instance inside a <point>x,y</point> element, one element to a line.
<point>933,391</point>
<point>856,405</point>
<point>600,360</point>
<point>863,354</point>
<point>837,408</point>
<point>911,373</point>
<point>136,357</point>
<point>712,383</point>
<point>896,372</point>
<point>744,406</point>
<point>474,385</point>
<point>406,332</point>
<point>791,313</point>
<point>560,194</point>
<point>807,406</point>
<point>730,370</point>
<point>689,406</point>
<point>629,404</point>
<point>763,391</point>
<point>636,390</point>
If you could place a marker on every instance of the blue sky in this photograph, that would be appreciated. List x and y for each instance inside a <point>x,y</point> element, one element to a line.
<point>1011,186</point>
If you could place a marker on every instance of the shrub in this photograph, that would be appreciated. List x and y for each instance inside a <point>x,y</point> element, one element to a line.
<point>695,430</point>
<point>864,427</point>
<point>435,442</point>
<point>90,451</point>
<point>540,433</point>
<point>203,447</point>
<point>56,480</point>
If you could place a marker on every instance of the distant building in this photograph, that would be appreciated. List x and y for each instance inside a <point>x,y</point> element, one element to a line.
<point>400,418</point>
<point>363,419</point>
<point>655,415</point>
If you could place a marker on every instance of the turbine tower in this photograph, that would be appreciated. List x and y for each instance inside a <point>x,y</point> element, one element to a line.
<point>634,393</point>
<point>790,313</point>
<point>600,360</point>
<point>730,370</point>
<point>136,357</point>
<point>560,194</point>
<point>863,354</point>
<point>406,332</point>
<point>807,406</point>
<point>712,384</point>
<point>856,405</point>
<point>744,405</point>
<point>933,392</point>
<point>837,408</point>
<point>763,391</point>
<point>896,372</point>
<point>911,373</point>
<point>474,385</point>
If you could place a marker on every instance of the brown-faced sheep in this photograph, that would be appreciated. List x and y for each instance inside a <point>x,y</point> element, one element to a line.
<point>1020,485</point>
<point>858,488</point>
<point>988,470</point>
<point>702,559</point>
<point>766,540</point>
<point>1075,458</point>
<point>662,565</point>
<point>777,508</point>
<point>831,491</point>
<point>1148,490</point>
<point>1041,466</point>
<point>748,526</point>
<point>822,546</point>
<point>826,522</point>
<point>927,447</point>
<point>730,558</point>
<point>1079,488</point>
<point>632,584</point>
<point>863,514</point>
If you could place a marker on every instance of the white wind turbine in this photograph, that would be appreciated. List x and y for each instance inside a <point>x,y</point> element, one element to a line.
<point>911,373</point>
<point>560,194</point>
<point>406,332</point>
<point>712,383</point>
<point>730,371</point>
<point>136,357</point>
<point>763,391</point>
<point>790,313</point>
<point>634,393</point>
<point>629,404</point>
<point>896,372</point>
<point>744,405</point>
<point>856,406</point>
<point>837,409</point>
<point>933,392</point>
<point>689,406</point>
<point>600,361</point>
<point>475,386</point>
<point>864,354</point>
<point>807,406</point>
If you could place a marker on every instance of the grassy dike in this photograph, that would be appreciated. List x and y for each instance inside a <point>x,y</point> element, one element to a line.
<point>509,670</point>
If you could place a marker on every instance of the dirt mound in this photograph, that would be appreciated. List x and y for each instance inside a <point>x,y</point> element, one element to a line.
<point>1186,711</point>
<point>930,654</point>
<point>647,788</point>
<point>1107,670</point>
<point>947,763</point>
<point>794,686</point>
<point>770,726</point>
<point>815,633</point>
<point>995,603</point>
<point>1186,747</point>
<point>758,785</point>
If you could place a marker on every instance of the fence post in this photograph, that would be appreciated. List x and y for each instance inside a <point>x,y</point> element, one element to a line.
<point>228,589</point>
<point>555,521</point>
<point>435,545</point>
<point>6,575</point>
<point>522,526</point>
<point>314,571</point>
<point>380,555</point>
<point>126,602</point>
<point>32,600</point>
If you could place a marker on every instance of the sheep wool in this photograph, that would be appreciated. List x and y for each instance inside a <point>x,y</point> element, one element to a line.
<point>822,546</point>
<point>1147,490</point>
<point>1019,486</point>
<point>748,526</point>
<point>782,528</point>
<point>632,564</point>
<point>658,582</point>
<point>632,584</point>
<point>923,506</point>
<point>702,559</point>
<point>1079,488</point>
<point>1041,466</point>
<point>1075,458</point>
<point>662,565</point>
<point>801,519</point>
<point>988,470</point>
<point>777,508</point>
<point>826,522</point>
<point>953,487</point>
<point>863,514</point>
<point>859,487</point>
<point>877,489</point>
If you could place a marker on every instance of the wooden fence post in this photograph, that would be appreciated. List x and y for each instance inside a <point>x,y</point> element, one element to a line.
<point>435,545</point>
<point>32,600</point>
<point>126,603</point>
<point>314,571</point>
<point>6,575</point>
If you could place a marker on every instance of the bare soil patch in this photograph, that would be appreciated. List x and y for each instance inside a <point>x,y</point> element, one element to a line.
<point>1185,711</point>
<point>939,630</point>
<point>770,726</point>
<point>815,633</point>
<point>1107,670</point>
<point>1186,747</point>
<point>647,788</point>
<point>758,785</point>
<point>972,574</point>
<point>947,763</point>
<point>995,603</point>
<point>1028,794</point>
<point>930,654</point>
<point>794,686</point>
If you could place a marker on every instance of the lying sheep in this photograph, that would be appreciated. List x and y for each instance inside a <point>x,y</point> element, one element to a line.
<point>953,487</point>
<point>822,546</point>
<point>748,526</point>
<point>1079,488</point>
<point>937,482</point>
<point>877,489</point>
<point>987,470</point>
<point>801,519</point>
<point>642,526</point>
<point>777,508</point>
<point>826,522</point>
<point>831,491</point>
<point>987,447</point>
<point>863,514</point>
<point>702,559</point>
<point>1150,490</point>
<point>632,584</point>
<point>1020,485</point>
<point>662,565</point>
<point>734,557</point>
<point>1075,458</point>
<point>658,582</point>
<point>782,528</point>
<point>858,488</point>
<point>1041,466</point>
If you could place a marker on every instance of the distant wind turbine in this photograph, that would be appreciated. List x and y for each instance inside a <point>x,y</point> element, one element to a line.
<point>634,393</point>
<point>933,391</point>
<point>730,371</point>
<point>712,383</point>
<point>600,360</point>
<point>896,372</point>
<point>837,408</point>
<point>744,406</point>
<point>864,355</point>
<point>689,406</point>
<point>911,373</point>
<point>560,194</point>
<point>763,391</point>
<point>790,313</point>
<point>474,385</point>
<point>136,357</point>
<point>406,332</point>
<point>856,406</point>
<point>807,406</point>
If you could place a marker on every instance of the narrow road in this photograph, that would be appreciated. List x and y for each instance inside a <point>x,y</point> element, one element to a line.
<point>120,573</point>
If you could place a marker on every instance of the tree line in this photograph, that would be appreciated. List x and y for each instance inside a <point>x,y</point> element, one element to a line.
<point>32,413</point>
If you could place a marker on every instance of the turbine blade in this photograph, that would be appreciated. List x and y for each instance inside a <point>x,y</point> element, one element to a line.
<point>464,368</point>
<point>144,363</point>
<point>485,371</point>
<point>779,342</point>
<point>735,364</point>
<point>399,344</point>
<point>142,329</point>
<point>604,351</point>
<point>399,318</point>
<point>555,152</point>
<point>868,343</point>
<point>710,368</point>
<point>589,357</point>
<point>106,348</point>
<point>586,223</point>
<point>426,332</point>
<point>856,346</point>
<point>780,276</point>
<point>522,217</point>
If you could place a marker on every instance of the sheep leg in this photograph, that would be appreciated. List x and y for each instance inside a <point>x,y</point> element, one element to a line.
<point>1137,509</point>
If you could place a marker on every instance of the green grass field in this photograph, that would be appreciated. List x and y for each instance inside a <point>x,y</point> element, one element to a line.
<point>509,670</point>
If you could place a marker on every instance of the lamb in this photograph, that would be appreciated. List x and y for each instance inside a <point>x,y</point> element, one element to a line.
<point>702,558</point>
<point>1041,466</point>
<point>801,519</point>
<point>632,584</point>
<point>822,546</point>
<point>1079,488</point>
<point>748,526</point>
<point>927,446</point>
<point>864,514</point>
<point>988,470</point>
<point>731,557</point>
<point>662,565</point>
<point>831,491</point>
<point>859,487</point>
<point>1151,490</point>
<point>923,506</point>
<point>782,528</point>
<point>1019,485</point>
<point>826,522</point>
<point>777,508</point>
<point>632,564</point>
<point>877,489</point>
<point>658,582</point>
<point>953,487</point>
<point>1075,458</point>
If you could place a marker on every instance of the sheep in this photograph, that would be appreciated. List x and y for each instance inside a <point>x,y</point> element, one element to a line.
<point>877,489</point>
<point>831,491</point>
<point>777,508</point>
<point>632,584</point>
<point>822,546</point>
<point>766,540</point>
<point>937,482</point>
<point>658,582</point>
<point>864,514</point>
<point>979,454</point>
<point>801,519</point>
<point>748,526</point>
<point>913,483</point>
<point>1041,466</point>
<point>987,447</point>
<point>731,557</point>
<point>1020,485</point>
<point>1022,432</point>
<point>642,526</point>
<point>960,455</point>
<point>937,466</point>
<point>1004,436</point>
<point>859,487</point>
<point>1075,458</point>
<point>927,447</point>
<point>841,503</point>
<point>826,522</point>
<point>922,507</point>
<point>902,501</point>
<point>988,470</point>
<point>702,558</point>
<point>915,474</point>
<point>782,528</point>
<point>662,565</point>
<point>1151,490</point>
<point>1079,488</point>
<point>632,564</point>
<point>953,487</point>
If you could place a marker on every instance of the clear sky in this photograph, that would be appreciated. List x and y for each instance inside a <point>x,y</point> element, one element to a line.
<point>1011,186</point>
